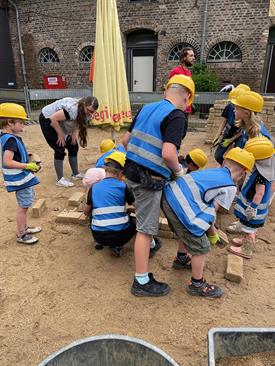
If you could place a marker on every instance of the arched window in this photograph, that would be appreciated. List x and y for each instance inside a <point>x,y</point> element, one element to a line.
<point>48,55</point>
<point>86,54</point>
<point>225,52</point>
<point>175,51</point>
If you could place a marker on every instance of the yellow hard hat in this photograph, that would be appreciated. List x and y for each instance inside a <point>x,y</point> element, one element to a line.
<point>260,147</point>
<point>249,100</point>
<point>234,93</point>
<point>117,156</point>
<point>185,81</point>
<point>199,157</point>
<point>243,86</point>
<point>13,110</point>
<point>242,157</point>
<point>106,145</point>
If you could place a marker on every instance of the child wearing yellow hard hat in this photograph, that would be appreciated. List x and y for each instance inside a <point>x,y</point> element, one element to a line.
<point>17,170</point>
<point>111,225</point>
<point>189,204</point>
<point>253,201</point>
<point>107,147</point>
<point>227,132</point>
<point>194,160</point>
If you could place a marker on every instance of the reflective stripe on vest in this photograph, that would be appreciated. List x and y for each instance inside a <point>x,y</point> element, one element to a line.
<point>145,144</point>
<point>16,179</point>
<point>186,197</point>
<point>185,206</point>
<point>108,202</point>
<point>110,222</point>
<point>107,210</point>
<point>242,201</point>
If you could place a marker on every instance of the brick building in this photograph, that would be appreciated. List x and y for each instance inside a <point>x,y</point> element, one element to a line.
<point>58,38</point>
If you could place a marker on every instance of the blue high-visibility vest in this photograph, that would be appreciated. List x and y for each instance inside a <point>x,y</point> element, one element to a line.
<point>101,160</point>
<point>243,202</point>
<point>16,179</point>
<point>145,144</point>
<point>186,197</point>
<point>108,206</point>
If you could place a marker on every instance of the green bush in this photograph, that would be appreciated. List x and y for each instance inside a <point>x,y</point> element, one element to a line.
<point>205,80</point>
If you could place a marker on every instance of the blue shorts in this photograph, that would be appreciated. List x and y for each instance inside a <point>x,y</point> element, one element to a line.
<point>25,197</point>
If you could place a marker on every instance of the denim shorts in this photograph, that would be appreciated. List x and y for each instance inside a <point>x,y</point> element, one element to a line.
<point>25,197</point>
<point>147,207</point>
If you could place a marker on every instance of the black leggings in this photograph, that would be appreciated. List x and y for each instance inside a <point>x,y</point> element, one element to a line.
<point>52,137</point>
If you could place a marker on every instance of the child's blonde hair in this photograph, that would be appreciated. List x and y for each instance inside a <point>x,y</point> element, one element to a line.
<point>251,126</point>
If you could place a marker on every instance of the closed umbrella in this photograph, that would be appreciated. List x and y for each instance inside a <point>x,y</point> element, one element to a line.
<point>109,76</point>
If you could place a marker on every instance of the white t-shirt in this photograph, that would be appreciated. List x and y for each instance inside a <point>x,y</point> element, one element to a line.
<point>70,105</point>
<point>223,196</point>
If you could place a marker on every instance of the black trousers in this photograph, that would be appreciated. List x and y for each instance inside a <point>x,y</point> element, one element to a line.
<point>52,137</point>
<point>115,238</point>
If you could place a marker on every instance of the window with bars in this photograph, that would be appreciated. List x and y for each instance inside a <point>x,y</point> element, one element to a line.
<point>86,54</point>
<point>48,55</point>
<point>225,52</point>
<point>176,50</point>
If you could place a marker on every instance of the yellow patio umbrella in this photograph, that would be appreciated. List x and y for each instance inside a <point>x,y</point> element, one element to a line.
<point>109,76</point>
<point>272,8</point>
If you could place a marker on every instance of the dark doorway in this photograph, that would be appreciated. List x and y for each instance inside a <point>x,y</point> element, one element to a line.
<point>141,60</point>
<point>270,79</point>
<point>7,71</point>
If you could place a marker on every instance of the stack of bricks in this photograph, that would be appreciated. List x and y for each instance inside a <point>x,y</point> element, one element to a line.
<point>214,119</point>
<point>74,214</point>
<point>268,115</point>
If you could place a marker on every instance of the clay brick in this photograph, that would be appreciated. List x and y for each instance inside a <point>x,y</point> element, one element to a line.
<point>76,199</point>
<point>39,207</point>
<point>223,236</point>
<point>163,224</point>
<point>83,219</point>
<point>34,158</point>
<point>165,234</point>
<point>234,269</point>
<point>69,217</point>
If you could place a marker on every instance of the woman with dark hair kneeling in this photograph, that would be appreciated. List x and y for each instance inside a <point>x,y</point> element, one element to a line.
<point>63,122</point>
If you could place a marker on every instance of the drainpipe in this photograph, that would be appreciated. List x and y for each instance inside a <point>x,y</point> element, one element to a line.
<point>26,92</point>
<point>204,28</point>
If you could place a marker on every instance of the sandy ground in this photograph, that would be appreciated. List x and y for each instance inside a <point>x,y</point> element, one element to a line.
<point>63,289</point>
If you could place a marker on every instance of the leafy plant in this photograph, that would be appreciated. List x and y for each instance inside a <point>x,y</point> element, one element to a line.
<point>205,79</point>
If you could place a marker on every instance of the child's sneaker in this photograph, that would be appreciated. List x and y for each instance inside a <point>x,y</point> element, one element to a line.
<point>33,229</point>
<point>98,246</point>
<point>152,288</point>
<point>78,176</point>
<point>117,251</point>
<point>27,239</point>
<point>64,183</point>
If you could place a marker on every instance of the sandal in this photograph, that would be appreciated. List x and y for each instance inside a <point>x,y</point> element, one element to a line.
<point>205,290</point>
<point>182,263</point>
<point>245,251</point>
